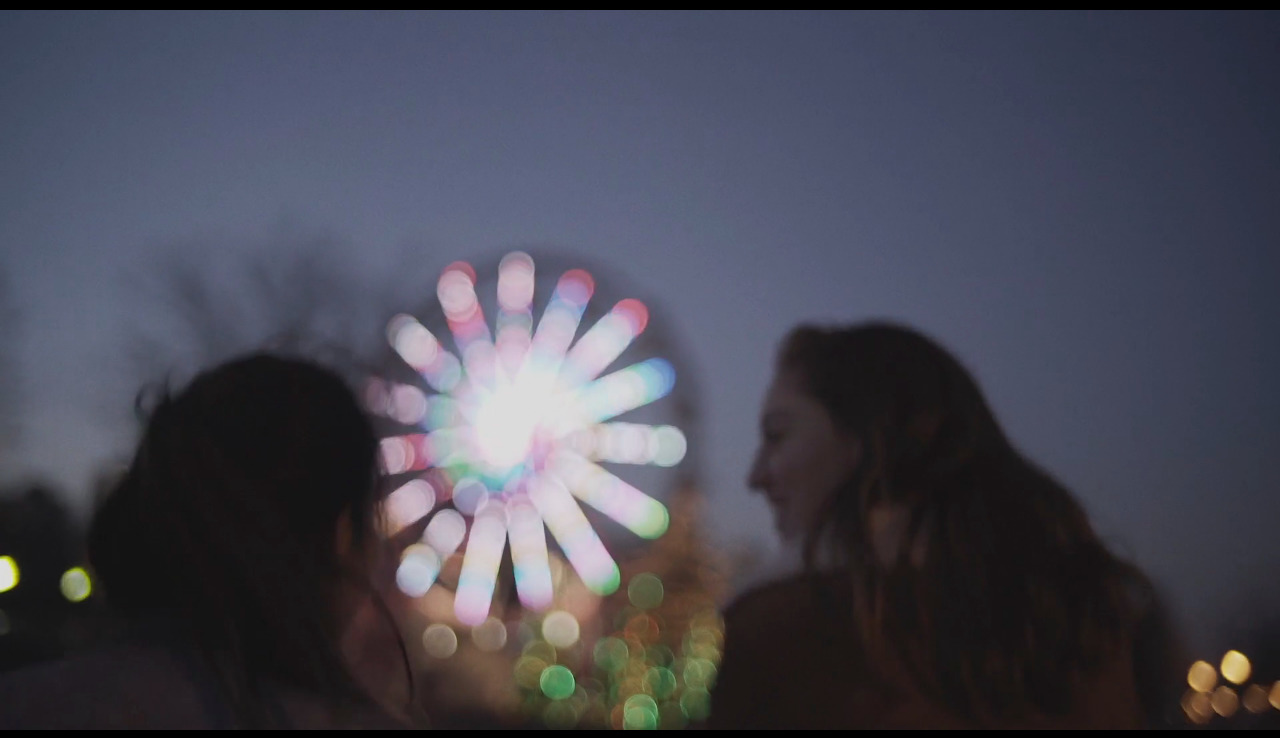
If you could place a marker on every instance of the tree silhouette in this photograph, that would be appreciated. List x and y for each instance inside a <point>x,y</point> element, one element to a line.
<point>203,303</point>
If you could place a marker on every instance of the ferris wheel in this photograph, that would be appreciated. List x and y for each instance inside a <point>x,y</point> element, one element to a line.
<point>522,428</point>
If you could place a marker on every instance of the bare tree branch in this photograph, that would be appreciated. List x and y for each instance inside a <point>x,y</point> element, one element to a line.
<point>306,295</point>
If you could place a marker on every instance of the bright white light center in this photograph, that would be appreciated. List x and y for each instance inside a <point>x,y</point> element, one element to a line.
<point>505,426</point>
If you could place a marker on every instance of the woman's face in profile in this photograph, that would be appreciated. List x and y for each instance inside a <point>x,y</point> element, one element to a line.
<point>802,455</point>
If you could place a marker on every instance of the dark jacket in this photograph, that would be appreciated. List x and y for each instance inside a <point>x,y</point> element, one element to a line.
<point>791,662</point>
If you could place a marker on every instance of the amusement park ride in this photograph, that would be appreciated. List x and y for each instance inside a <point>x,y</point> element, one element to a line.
<point>535,419</point>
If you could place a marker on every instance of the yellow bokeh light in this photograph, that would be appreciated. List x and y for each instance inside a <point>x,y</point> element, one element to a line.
<point>8,573</point>
<point>1235,667</point>
<point>1197,707</point>
<point>1202,676</point>
<point>1255,699</point>
<point>561,629</point>
<point>540,650</point>
<point>1274,699</point>
<point>528,670</point>
<point>75,584</point>
<point>1225,701</point>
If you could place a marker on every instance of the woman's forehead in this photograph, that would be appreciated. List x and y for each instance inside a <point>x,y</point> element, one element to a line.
<point>787,395</point>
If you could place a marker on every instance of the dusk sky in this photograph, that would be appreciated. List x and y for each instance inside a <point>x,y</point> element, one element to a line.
<point>1084,206</point>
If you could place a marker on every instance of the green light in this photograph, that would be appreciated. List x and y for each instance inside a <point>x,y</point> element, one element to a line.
<point>661,682</point>
<point>640,712</point>
<point>699,673</point>
<point>645,591</point>
<point>696,703</point>
<point>655,523</point>
<point>636,718</point>
<point>608,586</point>
<point>557,682</point>
<point>75,584</point>
<point>611,654</point>
<point>659,655</point>
<point>8,573</point>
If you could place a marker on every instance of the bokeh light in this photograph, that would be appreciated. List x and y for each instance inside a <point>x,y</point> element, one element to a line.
<point>456,292</point>
<point>611,654</point>
<point>408,504</point>
<point>469,494</point>
<point>75,584</point>
<point>412,341</point>
<point>9,574</point>
<point>1197,706</point>
<point>479,575</point>
<point>557,682</point>
<point>510,422</point>
<point>529,559</point>
<point>445,532</point>
<point>561,629</point>
<point>667,445</point>
<point>1202,676</point>
<point>660,681</point>
<point>528,671</point>
<point>1225,701</point>
<point>1274,696</point>
<point>515,282</point>
<point>406,404</point>
<point>643,628</point>
<point>696,703</point>
<point>699,673</point>
<point>1254,699</point>
<point>541,650</point>
<point>640,712</point>
<point>419,567</point>
<point>660,655</point>
<point>645,591</point>
<point>440,641</point>
<point>491,635</point>
<point>1235,667</point>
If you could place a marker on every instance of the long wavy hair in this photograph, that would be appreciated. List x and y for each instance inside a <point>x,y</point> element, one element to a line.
<point>225,525</point>
<point>999,595</point>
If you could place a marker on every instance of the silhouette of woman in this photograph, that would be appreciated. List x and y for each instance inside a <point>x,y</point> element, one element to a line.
<point>239,547</point>
<point>948,583</point>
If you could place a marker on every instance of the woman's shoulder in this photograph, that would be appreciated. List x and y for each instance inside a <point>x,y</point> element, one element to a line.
<point>790,660</point>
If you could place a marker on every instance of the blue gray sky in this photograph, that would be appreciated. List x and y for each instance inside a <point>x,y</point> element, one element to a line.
<point>1082,205</point>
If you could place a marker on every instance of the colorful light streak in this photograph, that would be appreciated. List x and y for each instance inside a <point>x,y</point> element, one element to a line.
<point>517,428</point>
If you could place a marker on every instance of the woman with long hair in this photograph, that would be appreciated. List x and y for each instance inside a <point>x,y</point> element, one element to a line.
<point>949,581</point>
<point>240,549</point>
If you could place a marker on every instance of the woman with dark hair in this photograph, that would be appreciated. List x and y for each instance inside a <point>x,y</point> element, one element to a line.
<point>239,547</point>
<point>949,582</point>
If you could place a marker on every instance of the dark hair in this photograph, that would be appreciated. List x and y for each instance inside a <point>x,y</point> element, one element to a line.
<point>225,524</point>
<point>1016,597</point>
